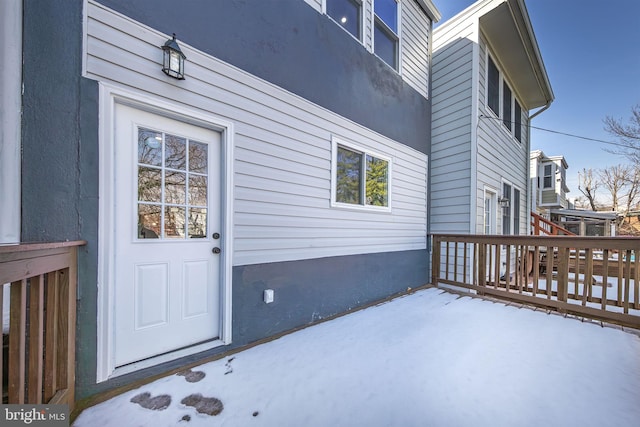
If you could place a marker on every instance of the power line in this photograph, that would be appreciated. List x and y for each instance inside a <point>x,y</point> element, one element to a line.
<point>586,138</point>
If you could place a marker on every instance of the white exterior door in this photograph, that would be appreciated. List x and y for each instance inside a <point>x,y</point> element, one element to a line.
<point>167,234</point>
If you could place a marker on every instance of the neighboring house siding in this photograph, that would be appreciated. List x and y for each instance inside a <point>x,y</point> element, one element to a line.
<point>416,27</point>
<point>282,149</point>
<point>451,131</point>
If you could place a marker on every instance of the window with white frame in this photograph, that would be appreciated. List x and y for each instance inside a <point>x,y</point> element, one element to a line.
<point>386,35</point>
<point>348,14</point>
<point>360,178</point>
<point>511,209</point>
<point>506,209</point>
<point>502,101</point>
<point>516,211</point>
<point>489,213</point>
<point>493,87</point>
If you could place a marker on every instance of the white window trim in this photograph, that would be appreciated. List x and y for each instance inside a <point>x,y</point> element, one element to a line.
<point>109,96</point>
<point>399,34</point>
<point>511,206</point>
<point>489,191</point>
<point>10,125</point>
<point>335,141</point>
<point>362,20</point>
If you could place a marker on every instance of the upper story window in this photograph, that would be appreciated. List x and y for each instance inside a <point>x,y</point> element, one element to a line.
<point>360,178</point>
<point>386,39</point>
<point>502,101</point>
<point>517,116</point>
<point>493,87</point>
<point>506,105</point>
<point>548,177</point>
<point>347,13</point>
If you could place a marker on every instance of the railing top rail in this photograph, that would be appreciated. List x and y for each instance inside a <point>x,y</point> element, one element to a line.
<point>620,242</point>
<point>26,247</point>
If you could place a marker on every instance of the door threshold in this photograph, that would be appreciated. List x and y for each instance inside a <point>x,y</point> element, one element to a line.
<point>165,357</point>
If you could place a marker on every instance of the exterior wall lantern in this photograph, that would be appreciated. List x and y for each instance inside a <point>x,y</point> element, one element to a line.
<point>504,202</point>
<point>173,59</point>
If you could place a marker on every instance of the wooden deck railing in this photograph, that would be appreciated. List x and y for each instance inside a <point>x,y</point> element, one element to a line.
<point>540,226</point>
<point>596,277</point>
<point>38,357</point>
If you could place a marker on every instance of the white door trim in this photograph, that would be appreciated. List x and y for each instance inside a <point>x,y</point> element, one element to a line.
<point>109,96</point>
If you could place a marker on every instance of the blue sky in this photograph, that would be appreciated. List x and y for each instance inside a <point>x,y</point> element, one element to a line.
<point>591,50</point>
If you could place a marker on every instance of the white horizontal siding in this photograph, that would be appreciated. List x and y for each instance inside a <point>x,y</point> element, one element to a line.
<point>282,142</point>
<point>416,28</point>
<point>451,130</point>
<point>316,4</point>
<point>500,155</point>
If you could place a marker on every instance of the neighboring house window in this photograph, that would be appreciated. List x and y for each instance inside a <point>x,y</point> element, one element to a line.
<point>360,178</point>
<point>517,131</point>
<point>506,211</point>
<point>548,177</point>
<point>516,211</point>
<point>347,13</point>
<point>386,39</point>
<point>493,83</point>
<point>506,105</point>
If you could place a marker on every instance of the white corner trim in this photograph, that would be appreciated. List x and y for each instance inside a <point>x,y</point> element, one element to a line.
<point>10,119</point>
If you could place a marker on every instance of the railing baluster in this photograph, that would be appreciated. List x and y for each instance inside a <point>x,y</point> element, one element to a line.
<point>36,326</point>
<point>536,269</point>
<point>549,270</point>
<point>588,276</point>
<point>605,277</point>
<point>17,340</point>
<point>51,337</point>
<point>627,280</point>
<point>496,273</point>
<point>507,268</point>
<point>563,274</point>
<point>465,262</point>
<point>636,280</point>
<point>455,261</point>
<point>620,278</point>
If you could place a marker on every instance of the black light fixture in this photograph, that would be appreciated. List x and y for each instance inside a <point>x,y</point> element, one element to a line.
<point>173,61</point>
<point>504,202</point>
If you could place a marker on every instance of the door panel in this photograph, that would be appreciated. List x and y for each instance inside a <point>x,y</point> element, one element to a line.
<point>167,192</point>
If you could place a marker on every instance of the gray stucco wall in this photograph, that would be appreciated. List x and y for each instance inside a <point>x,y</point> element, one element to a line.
<point>290,45</point>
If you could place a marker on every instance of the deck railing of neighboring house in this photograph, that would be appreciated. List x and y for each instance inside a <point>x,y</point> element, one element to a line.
<point>38,357</point>
<point>595,277</point>
<point>540,226</point>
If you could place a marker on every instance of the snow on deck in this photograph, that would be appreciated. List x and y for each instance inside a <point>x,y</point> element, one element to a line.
<point>428,359</point>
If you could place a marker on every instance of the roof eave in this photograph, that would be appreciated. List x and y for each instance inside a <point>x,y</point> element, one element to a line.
<point>507,29</point>
<point>430,9</point>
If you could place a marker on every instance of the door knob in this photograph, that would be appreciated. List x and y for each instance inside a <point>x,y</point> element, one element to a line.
<point>215,250</point>
<point>216,236</point>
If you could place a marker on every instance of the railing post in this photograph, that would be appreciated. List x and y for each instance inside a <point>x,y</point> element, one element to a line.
<point>482,267</point>
<point>435,260</point>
